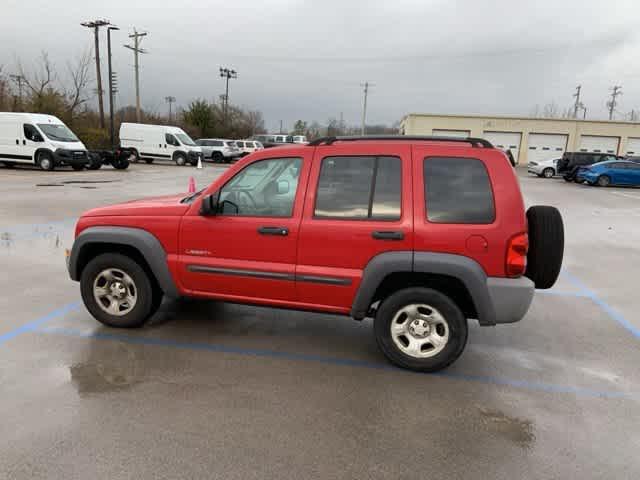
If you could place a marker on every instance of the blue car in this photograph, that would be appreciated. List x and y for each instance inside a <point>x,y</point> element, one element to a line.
<point>613,172</point>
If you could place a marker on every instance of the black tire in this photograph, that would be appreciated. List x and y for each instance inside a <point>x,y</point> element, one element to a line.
<point>604,181</point>
<point>217,157</point>
<point>457,323</point>
<point>77,167</point>
<point>9,164</point>
<point>144,289</point>
<point>95,162</point>
<point>120,164</point>
<point>134,156</point>
<point>568,178</point>
<point>546,245</point>
<point>45,161</point>
<point>180,159</point>
<point>548,172</point>
<point>148,160</point>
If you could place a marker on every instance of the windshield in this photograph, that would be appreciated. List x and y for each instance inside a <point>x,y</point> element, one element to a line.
<point>185,139</point>
<point>57,132</point>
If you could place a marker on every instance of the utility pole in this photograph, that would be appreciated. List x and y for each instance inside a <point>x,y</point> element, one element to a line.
<point>366,86</point>
<point>281,127</point>
<point>112,85</point>
<point>137,38</point>
<point>615,91</point>
<point>96,24</point>
<point>170,100</point>
<point>341,126</point>
<point>19,79</point>
<point>576,105</point>
<point>228,74</point>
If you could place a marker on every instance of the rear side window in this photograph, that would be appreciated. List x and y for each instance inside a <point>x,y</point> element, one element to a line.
<point>359,188</point>
<point>458,190</point>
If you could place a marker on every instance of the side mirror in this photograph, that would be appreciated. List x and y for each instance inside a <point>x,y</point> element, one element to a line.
<point>283,187</point>
<point>209,206</point>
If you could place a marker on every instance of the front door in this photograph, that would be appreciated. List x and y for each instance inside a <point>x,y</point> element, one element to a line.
<point>31,140</point>
<point>358,206</point>
<point>247,252</point>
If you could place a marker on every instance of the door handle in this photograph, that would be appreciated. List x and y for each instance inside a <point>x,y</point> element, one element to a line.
<point>17,142</point>
<point>24,142</point>
<point>279,231</point>
<point>387,235</point>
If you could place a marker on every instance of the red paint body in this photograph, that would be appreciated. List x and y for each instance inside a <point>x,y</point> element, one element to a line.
<point>322,247</point>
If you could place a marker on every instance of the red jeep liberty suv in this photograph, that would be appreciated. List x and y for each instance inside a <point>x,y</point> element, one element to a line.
<point>420,233</point>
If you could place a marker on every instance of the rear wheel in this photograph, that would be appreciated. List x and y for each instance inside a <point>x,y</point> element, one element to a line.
<point>546,245</point>
<point>117,291</point>
<point>95,162</point>
<point>420,329</point>
<point>77,167</point>
<point>45,161</point>
<point>134,156</point>
<point>120,163</point>
<point>604,181</point>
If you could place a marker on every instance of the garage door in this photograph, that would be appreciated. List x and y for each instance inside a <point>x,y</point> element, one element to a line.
<point>545,146</point>
<point>505,141</point>
<point>451,133</point>
<point>598,144</point>
<point>633,147</point>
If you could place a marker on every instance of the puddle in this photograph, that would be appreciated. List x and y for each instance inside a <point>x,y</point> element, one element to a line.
<point>116,368</point>
<point>517,430</point>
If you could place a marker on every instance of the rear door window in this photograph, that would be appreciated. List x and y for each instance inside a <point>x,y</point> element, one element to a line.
<point>359,188</point>
<point>458,190</point>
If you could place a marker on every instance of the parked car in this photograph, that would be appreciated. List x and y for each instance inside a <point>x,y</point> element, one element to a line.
<point>571,161</point>
<point>545,168</point>
<point>300,139</point>
<point>38,139</point>
<point>419,234</point>
<point>154,142</point>
<point>273,140</point>
<point>219,150</point>
<point>617,172</point>
<point>248,146</point>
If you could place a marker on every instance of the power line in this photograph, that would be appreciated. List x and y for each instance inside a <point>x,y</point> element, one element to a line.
<point>366,86</point>
<point>615,91</point>
<point>96,24</point>
<point>137,38</point>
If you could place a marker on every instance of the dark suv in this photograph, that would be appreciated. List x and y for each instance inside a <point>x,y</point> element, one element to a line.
<point>418,233</point>
<point>570,162</point>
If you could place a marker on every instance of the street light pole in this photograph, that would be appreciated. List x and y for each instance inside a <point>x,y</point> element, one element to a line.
<point>111,86</point>
<point>228,74</point>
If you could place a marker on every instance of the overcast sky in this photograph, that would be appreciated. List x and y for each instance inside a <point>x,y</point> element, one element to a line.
<point>307,59</point>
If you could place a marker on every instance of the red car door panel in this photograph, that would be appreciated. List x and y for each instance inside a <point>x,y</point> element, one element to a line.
<point>333,251</point>
<point>248,258</point>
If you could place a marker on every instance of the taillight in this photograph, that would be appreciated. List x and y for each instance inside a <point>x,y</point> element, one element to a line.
<point>517,248</point>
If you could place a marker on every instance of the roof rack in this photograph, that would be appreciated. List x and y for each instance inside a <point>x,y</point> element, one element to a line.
<point>475,142</point>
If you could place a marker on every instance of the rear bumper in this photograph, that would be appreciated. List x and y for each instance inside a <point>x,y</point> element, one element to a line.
<point>511,298</point>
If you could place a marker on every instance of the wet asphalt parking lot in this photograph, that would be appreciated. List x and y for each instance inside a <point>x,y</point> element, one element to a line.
<point>213,390</point>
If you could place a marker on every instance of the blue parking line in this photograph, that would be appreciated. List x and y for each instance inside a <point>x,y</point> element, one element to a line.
<point>35,324</point>
<point>612,312</point>
<point>220,348</point>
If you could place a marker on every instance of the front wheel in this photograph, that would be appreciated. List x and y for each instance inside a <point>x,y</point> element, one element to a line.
<point>217,157</point>
<point>45,161</point>
<point>548,173</point>
<point>148,160</point>
<point>117,291</point>
<point>420,329</point>
<point>77,167</point>
<point>180,159</point>
<point>604,181</point>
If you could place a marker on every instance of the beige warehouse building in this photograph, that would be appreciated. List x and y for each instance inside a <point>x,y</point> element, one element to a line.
<point>532,139</point>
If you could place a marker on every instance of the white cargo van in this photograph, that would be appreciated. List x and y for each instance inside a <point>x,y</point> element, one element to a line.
<point>39,139</point>
<point>151,142</point>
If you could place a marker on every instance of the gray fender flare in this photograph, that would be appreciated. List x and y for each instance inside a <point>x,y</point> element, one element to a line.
<point>146,243</point>
<point>468,271</point>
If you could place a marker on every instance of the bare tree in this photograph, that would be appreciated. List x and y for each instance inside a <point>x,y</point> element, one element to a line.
<point>551,110</point>
<point>80,77</point>
<point>41,78</point>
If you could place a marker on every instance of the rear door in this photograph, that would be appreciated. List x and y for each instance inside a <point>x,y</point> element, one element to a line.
<point>358,205</point>
<point>634,173</point>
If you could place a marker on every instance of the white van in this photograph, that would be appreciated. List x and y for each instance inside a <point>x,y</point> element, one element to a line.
<point>151,142</point>
<point>38,139</point>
